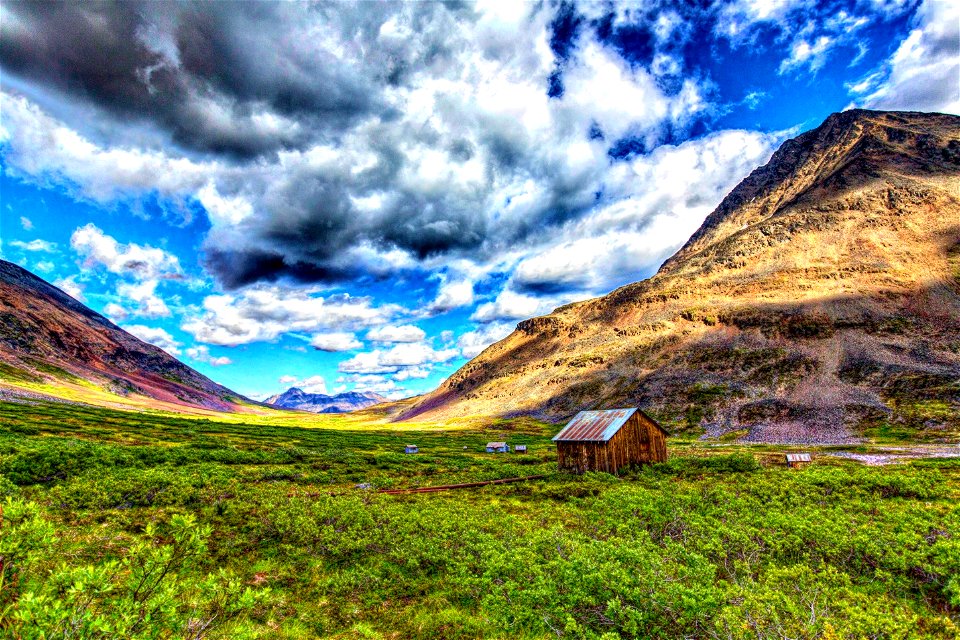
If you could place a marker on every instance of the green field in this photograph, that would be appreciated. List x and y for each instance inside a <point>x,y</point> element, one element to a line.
<point>139,525</point>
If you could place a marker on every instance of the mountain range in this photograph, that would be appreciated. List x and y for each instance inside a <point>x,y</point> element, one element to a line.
<point>295,398</point>
<point>819,302</point>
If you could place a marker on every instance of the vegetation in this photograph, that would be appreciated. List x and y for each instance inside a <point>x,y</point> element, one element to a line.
<point>119,524</point>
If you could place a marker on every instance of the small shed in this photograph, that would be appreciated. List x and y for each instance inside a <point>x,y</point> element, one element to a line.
<point>798,459</point>
<point>411,448</point>
<point>498,447</point>
<point>609,440</point>
<point>520,448</point>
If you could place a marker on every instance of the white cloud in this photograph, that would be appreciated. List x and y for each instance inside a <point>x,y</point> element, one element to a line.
<point>156,336</point>
<point>265,312</point>
<point>374,383</point>
<point>803,53</point>
<point>509,305</point>
<point>140,262</point>
<point>472,343</point>
<point>46,150</point>
<point>397,333</point>
<point>411,373</point>
<point>142,295</point>
<point>70,287</point>
<point>201,353</point>
<point>337,341</point>
<point>35,245</point>
<point>311,384</point>
<point>657,201</point>
<point>394,359</point>
<point>924,72</point>
<point>452,294</point>
<point>26,223</point>
<point>115,312</point>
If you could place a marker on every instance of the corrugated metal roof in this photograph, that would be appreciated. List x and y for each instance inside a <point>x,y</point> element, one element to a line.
<point>496,445</point>
<point>798,457</point>
<point>594,426</point>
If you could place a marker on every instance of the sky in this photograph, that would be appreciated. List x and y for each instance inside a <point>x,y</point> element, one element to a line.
<point>363,196</point>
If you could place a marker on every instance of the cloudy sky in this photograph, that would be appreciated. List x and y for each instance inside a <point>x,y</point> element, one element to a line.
<point>363,196</point>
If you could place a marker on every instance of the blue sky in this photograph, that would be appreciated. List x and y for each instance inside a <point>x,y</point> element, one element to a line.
<point>364,196</point>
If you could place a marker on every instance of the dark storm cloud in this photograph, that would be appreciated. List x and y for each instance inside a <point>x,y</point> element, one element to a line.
<point>360,139</point>
<point>209,74</point>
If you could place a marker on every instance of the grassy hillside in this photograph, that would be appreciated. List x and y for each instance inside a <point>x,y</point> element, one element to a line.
<point>118,524</point>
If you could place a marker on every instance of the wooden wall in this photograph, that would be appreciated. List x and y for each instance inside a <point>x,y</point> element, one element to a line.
<point>639,441</point>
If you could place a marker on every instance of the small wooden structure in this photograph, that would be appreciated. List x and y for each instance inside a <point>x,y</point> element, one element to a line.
<point>498,447</point>
<point>520,448</point>
<point>798,459</point>
<point>610,440</point>
<point>411,448</point>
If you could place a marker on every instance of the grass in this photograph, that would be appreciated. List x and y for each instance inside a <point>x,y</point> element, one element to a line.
<point>145,525</point>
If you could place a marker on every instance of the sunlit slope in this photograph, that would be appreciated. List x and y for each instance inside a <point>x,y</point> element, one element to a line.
<point>53,346</point>
<point>819,302</point>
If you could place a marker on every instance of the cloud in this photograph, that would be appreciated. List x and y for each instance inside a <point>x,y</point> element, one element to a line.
<point>35,245</point>
<point>265,312</point>
<point>397,333</point>
<point>43,149</point>
<point>26,223</point>
<point>509,305</point>
<point>473,342</point>
<point>202,354</point>
<point>311,384</point>
<point>193,71</point>
<point>807,54</point>
<point>386,137</point>
<point>452,294</point>
<point>156,336</point>
<point>115,312</point>
<point>140,262</point>
<point>70,287</point>
<point>145,301</point>
<point>923,72</point>
<point>375,383</point>
<point>337,341</point>
<point>394,359</point>
<point>412,373</point>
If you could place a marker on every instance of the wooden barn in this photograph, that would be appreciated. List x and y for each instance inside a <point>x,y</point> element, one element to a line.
<point>798,459</point>
<point>610,440</point>
<point>498,447</point>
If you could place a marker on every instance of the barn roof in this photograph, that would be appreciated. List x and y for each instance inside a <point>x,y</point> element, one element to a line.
<point>798,457</point>
<point>496,445</point>
<point>594,426</point>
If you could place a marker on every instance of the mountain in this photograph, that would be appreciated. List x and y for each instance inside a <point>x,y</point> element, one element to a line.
<point>52,344</point>
<point>294,398</point>
<point>820,302</point>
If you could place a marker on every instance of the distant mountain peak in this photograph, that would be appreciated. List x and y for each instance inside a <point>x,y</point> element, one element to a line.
<point>296,398</point>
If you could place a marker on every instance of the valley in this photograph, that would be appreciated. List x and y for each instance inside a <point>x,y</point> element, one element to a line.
<point>817,310</point>
<point>273,527</point>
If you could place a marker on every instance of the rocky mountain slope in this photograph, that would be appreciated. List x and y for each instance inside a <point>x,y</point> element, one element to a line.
<point>820,302</point>
<point>51,342</point>
<point>294,398</point>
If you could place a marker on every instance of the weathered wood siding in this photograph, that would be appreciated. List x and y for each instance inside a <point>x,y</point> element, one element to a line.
<point>638,441</point>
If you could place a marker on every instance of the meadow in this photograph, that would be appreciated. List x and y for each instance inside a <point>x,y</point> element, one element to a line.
<point>150,525</point>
